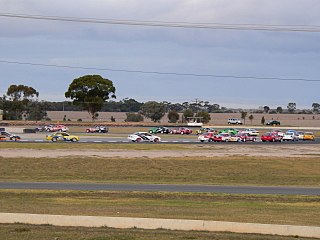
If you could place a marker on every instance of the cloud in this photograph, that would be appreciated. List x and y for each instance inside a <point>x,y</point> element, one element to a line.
<point>220,52</point>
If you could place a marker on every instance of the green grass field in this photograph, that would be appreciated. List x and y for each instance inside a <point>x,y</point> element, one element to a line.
<point>189,170</point>
<point>273,209</point>
<point>236,170</point>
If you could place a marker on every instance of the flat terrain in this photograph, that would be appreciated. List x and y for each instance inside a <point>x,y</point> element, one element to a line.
<point>29,232</point>
<point>265,165</point>
<point>273,209</point>
<point>83,150</point>
<point>236,170</point>
<point>303,120</point>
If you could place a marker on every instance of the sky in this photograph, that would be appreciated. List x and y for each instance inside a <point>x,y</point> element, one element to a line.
<point>260,54</point>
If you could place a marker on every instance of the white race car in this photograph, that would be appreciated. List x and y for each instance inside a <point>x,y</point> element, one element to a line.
<point>143,137</point>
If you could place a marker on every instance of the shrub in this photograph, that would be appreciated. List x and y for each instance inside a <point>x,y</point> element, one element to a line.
<point>134,117</point>
<point>173,116</point>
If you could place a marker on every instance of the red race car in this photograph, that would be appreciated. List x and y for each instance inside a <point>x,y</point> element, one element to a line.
<point>246,137</point>
<point>181,130</point>
<point>271,137</point>
<point>222,137</point>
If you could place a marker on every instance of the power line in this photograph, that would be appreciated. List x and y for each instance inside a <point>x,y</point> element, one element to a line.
<point>161,73</point>
<point>222,26</point>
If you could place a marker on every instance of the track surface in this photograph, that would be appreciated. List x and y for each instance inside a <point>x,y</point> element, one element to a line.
<point>162,188</point>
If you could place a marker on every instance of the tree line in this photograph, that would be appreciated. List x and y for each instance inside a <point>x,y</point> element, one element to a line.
<point>94,94</point>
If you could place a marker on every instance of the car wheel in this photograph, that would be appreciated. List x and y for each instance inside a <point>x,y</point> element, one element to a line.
<point>244,140</point>
<point>54,139</point>
<point>138,140</point>
<point>182,133</point>
<point>73,140</point>
<point>156,140</point>
<point>201,140</point>
<point>150,131</point>
<point>210,140</point>
<point>253,140</point>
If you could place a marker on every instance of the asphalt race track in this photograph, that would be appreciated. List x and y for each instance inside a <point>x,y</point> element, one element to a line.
<point>163,188</point>
<point>171,139</point>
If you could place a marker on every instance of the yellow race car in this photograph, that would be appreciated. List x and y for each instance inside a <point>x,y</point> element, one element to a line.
<point>308,136</point>
<point>62,136</point>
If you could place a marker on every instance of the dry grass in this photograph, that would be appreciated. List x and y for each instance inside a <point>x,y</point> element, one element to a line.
<point>271,209</point>
<point>21,231</point>
<point>303,120</point>
<point>191,170</point>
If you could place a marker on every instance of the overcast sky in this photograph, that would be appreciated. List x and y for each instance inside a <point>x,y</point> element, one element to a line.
<point>271,54</point>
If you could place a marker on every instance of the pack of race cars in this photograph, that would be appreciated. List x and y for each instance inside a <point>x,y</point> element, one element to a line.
<point>205,134</point>
<point>251,135</point>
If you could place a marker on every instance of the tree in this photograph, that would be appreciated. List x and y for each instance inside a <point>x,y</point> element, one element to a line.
<point>291,107</point>
<point>134,117</point>
<point>243,116</point>
<point>266,109</point>
<point>205,116</point>
<point>37,110</point>
<point>316,107</point>
<point>187,114</point>
<point>130,105</point>
<point>251,118</point>
<point>153,110</point>
<point>263,120</point>
<point>90,92</point>
<point>173,116</point>
<point>279,110</point>
<point>17,101</point>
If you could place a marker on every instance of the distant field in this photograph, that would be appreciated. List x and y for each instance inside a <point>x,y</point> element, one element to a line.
<point>303,120</point>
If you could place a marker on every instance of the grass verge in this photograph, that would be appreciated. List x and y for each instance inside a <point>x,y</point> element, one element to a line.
<point>190,170</point>
<point>269,209</point>
<point>21,231</point>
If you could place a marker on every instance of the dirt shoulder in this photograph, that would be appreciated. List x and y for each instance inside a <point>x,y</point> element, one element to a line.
<point>311,150</point>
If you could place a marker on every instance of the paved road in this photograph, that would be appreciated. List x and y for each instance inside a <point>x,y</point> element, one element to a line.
<point>163,188</point>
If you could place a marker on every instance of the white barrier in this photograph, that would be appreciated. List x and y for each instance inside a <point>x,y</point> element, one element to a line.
<point>153,223</point>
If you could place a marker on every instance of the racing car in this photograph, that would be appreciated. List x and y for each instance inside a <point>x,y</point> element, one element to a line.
<point>143,137</point>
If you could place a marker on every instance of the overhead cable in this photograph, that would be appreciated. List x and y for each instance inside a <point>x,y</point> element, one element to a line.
<point>222,26</point>
<point>161,73</point>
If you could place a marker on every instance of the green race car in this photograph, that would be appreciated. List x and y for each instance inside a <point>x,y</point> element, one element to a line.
<point>229,130</point>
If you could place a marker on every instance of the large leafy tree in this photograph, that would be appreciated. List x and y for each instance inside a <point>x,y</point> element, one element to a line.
<point>19,100</point>
<point>173,116</point>
<point>204,115</point>
<point>279,110</point>
<point>291,107</point>
<point>153,110</point>
<point>316,107</point>
<point>90,92</point>
<point>188,113</point>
